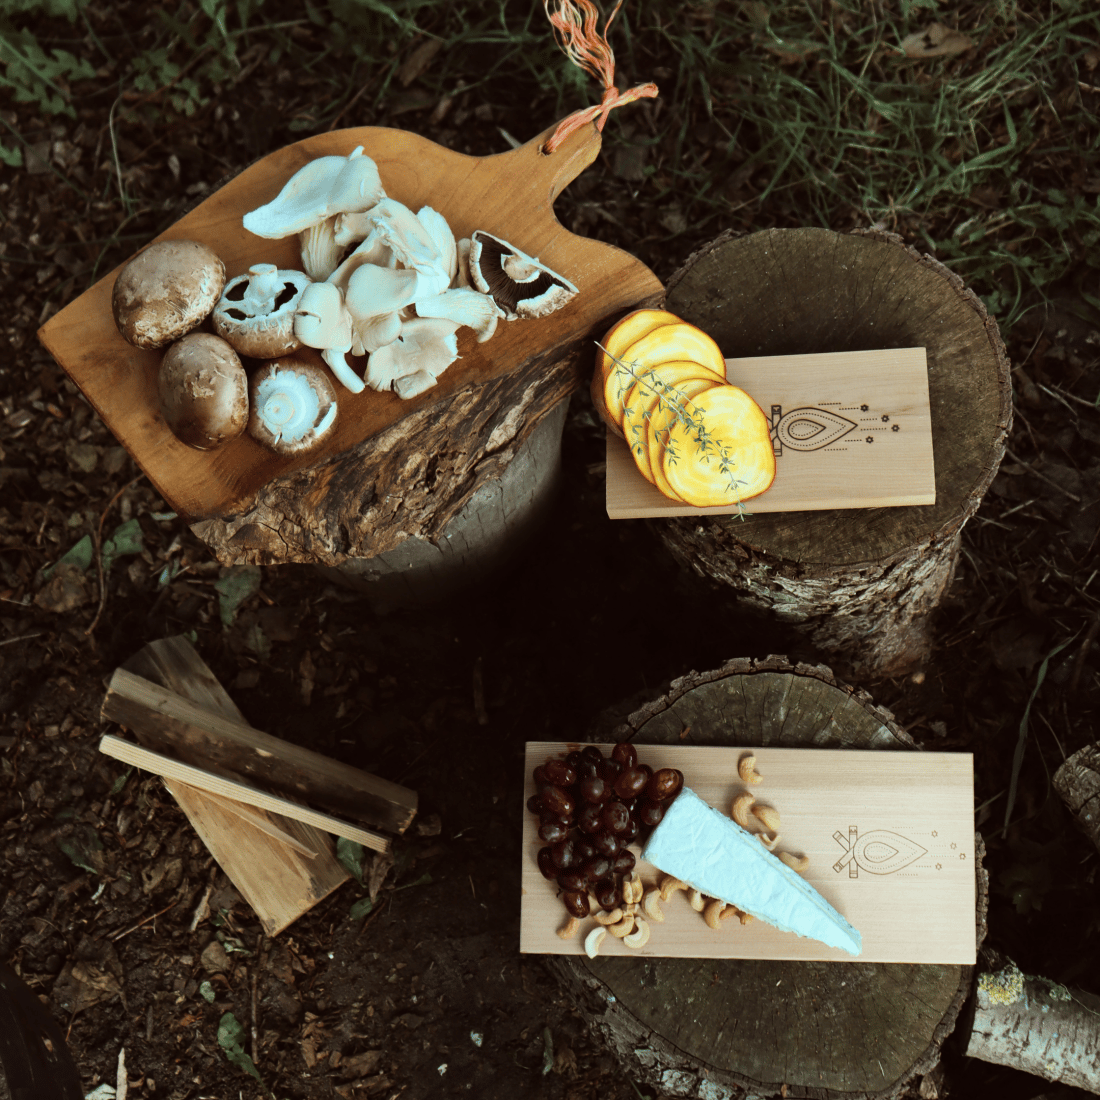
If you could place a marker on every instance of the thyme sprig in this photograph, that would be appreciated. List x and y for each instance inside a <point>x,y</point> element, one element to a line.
<point>673,400</point>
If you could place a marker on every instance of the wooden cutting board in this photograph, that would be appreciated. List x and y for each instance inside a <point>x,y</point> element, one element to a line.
<point>889,836</point>
<point>849,430</point>
<point>510,195</point>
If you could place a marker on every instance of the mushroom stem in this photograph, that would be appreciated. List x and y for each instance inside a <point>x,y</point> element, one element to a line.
<point>263,288</point>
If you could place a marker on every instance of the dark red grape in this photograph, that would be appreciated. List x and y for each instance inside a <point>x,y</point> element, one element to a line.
<point>631,783</point>
<point>583,850</point>
<point>606,893</point>
<point>557,801</point>
<point>577,903</point>
<point>563,854</point>
<point>552,831</point>
<point>591,752</point>
<point>632,831</point>
<point>573,880</point>
<point>589,818</point>
<point>609,771</point>
<point>625,753</point>
<point>607,844</point>
<point>534,804</point>
<point>665,784</point>
<point>560,773</point>
<point>546,864</point>
<point>573,758</point>
<point>623,863</point>
<point>650,812</point>
<point>593,790</point>
<point>614,817</point>
<point>539,775</point>
<point>597,868</point>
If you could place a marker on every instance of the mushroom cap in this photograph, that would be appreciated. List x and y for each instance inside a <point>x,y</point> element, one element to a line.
<point>293,406</point>
<point>256,311</point>
<point>203,391</point>
<point>166,291</point>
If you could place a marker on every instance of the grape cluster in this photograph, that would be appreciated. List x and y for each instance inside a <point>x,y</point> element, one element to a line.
<point>590,809</point>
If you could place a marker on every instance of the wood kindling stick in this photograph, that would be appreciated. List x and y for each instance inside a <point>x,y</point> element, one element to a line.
<point>165,766</point>
<point>166,720</point>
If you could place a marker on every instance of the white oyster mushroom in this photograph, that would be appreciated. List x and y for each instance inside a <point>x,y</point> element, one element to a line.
<point>464,306</point>
<point>323,322</point>
<point>321,251</point>
<point>413,362</point>
<point>323,188</point>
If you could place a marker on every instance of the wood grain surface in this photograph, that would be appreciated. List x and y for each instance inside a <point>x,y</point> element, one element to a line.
<point>889,836</point>
<point>850,430</point>
<point>510,195</point>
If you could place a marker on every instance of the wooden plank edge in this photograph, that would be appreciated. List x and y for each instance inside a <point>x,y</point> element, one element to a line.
<point>207,782</point>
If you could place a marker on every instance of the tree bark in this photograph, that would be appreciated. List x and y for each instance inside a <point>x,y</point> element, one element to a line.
<point>1037,1026</point>
<point>409,481</point>
<point>713,1028</point>
<point>860,584</point>
<point>1077,781</point>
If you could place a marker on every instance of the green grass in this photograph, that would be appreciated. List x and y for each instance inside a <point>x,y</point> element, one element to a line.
<point>770,114</point>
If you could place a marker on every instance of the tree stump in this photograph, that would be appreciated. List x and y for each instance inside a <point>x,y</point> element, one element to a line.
<point>495,523</point>
<point>859,584</point>
<point>710,1027</point>
<point>1077,781</point>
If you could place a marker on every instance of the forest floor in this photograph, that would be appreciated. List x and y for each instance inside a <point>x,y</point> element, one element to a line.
<point>112,910</point>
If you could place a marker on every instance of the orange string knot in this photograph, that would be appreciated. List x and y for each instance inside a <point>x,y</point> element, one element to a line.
<point>576,25</point>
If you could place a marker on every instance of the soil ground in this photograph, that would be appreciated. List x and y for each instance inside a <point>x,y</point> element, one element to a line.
<point>102,881</point>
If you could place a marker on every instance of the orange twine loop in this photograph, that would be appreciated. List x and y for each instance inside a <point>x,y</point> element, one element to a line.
<point>578,35</point>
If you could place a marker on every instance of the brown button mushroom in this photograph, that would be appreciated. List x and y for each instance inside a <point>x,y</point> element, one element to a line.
<point>293,406</point>
<point>166,291</point>
<point>203,391</point>
<point>256,311</point>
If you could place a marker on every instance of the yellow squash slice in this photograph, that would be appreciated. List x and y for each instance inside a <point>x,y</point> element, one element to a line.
<point>651,395</point>
<point>726,455</point>
<point>618,338</point>
<point>668,343</point>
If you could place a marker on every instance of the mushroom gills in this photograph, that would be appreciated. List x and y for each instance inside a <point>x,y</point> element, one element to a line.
<point>520,284</point>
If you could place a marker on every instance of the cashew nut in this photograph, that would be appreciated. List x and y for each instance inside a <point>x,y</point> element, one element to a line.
<point>746,918</point>
<point>739,811</point>
<point>630,909</point>
<point>669,886</point>
<point>651,904</point>
<point>746,769</point>
<point>712,914</point>
<point>570,929</point>
<point>606,918</point>
<point>769,843</point>
<point>795,863</point>
<point>730,911</point>
<point>769,815</point>
<point>632,887</point>
<point>698,902</point>
<point>623,928</point>
<point>593,940</point>
<point>639,937</point>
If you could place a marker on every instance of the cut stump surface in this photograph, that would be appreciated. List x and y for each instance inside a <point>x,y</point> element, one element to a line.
<point>822,1030</point>
<point>859,583</point>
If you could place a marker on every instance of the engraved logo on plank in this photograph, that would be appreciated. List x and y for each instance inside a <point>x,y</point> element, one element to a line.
<point>810,428</point>
<point>881,852</point>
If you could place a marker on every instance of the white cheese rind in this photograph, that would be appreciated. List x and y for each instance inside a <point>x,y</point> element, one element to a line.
<point>707,850</point>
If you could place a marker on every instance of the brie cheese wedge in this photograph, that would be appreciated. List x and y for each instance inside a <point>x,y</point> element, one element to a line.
<point>705,849</point>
